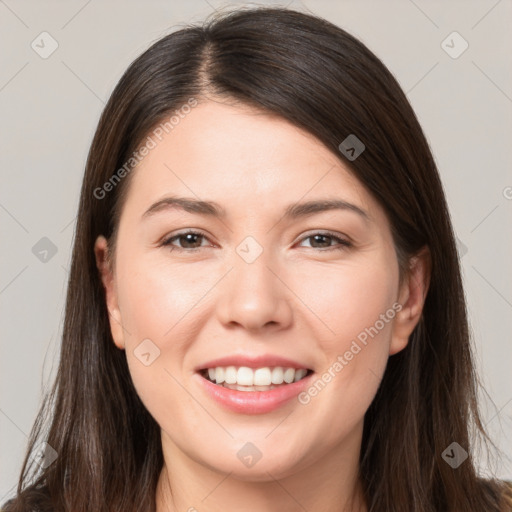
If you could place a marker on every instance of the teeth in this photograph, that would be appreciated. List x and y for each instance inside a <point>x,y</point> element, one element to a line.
<point>299,374</point>
<point>258,379</point>
<point>229,375</point>
<point>248,388</point>
<point>262,377</point>
<point>277,375</point>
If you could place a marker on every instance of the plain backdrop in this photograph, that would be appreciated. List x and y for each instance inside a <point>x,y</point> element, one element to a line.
<point>49,111</point>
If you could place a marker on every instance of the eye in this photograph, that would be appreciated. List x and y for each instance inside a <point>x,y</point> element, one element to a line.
<point>191,241</point>
<point>322,240</point>
<point>189,238</point>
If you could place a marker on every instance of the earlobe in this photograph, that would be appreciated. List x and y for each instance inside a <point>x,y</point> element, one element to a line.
<point>413,293</point>
<point>107,278</point>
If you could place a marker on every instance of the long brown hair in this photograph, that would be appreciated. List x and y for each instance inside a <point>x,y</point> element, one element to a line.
<point>320,78</point>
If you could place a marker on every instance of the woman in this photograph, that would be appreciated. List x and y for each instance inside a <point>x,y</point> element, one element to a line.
<point>265,308</point>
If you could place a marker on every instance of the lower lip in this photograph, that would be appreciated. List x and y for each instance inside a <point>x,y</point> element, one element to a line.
<point>253,402</point>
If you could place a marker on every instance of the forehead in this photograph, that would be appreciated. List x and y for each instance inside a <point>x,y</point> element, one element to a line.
<point>244,159</point>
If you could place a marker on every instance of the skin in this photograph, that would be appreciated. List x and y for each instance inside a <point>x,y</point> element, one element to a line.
<point>297,300</point>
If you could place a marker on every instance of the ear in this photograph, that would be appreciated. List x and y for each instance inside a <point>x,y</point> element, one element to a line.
<point>104,265</point>
<point>412,295</point>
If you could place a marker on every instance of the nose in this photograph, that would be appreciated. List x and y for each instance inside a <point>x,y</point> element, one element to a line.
<point>253,296</point>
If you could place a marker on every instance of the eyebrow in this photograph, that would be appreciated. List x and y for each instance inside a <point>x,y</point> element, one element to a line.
<point>213,209</point>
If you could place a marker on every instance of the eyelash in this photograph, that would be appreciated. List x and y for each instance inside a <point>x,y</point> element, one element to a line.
<point>342,243</point>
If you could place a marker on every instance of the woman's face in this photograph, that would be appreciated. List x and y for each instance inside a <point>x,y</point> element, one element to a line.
<point>264,286</point>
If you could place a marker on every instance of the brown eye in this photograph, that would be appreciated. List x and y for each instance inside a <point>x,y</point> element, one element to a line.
<point>323,241</point>
<point>190,240</point>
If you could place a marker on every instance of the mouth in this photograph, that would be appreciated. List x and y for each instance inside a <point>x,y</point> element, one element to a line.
<point>244,378</point>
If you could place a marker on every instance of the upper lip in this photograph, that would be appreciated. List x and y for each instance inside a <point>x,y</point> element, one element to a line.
<point>252,362</point>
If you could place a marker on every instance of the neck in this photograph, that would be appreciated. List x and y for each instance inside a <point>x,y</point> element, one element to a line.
<point>330,484</point>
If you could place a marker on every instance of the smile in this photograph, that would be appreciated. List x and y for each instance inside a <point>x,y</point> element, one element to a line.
<point>244,378</point>
<point>247,390</point>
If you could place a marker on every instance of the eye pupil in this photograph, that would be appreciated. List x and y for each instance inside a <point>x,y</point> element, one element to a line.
<point>188,240</point>
<point>317,237</point>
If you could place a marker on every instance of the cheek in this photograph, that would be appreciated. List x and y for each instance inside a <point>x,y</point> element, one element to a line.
<point>159,303</point>
<point>347,299</point>
<point>157,298</point>
<point>339,307</point>
<point>356,303</point>
<point>156,313</point>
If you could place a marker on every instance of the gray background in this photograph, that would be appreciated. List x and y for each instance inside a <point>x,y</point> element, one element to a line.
<point>50,108</point>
